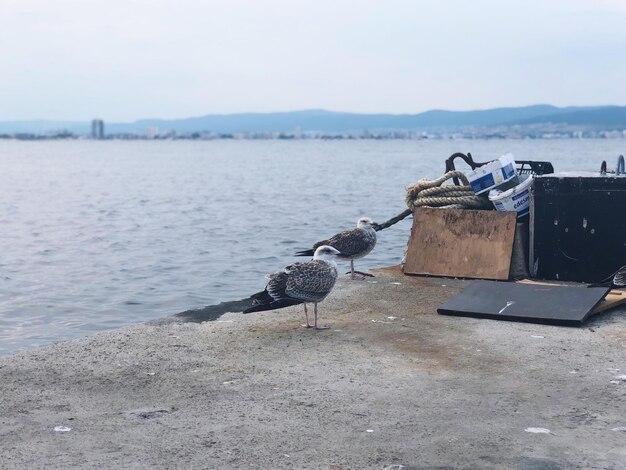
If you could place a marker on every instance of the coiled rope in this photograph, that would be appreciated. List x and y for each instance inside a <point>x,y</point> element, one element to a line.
<point>431,193</point>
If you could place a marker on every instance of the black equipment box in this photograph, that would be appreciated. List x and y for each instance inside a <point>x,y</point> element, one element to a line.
<point>577,226</point>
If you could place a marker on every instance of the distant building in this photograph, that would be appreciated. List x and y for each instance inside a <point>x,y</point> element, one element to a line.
<point>97,129</point>
<point>152,132</point>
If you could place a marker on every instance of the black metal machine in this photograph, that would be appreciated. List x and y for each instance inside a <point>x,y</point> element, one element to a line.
<point>577,226</point>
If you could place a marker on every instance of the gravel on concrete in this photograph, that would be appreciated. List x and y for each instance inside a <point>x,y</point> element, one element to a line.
<point>391,385</point>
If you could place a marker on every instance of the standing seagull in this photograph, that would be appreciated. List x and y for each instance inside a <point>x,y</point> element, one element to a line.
<point>353,244</point>
<point>618,279</point>
<point>299,283</point>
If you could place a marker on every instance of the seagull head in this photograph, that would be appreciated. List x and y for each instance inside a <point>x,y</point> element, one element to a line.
<point>364,222</point>
<point>327,253</point>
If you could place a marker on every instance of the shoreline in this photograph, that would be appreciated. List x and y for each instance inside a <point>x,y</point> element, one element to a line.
<point>391,383</point>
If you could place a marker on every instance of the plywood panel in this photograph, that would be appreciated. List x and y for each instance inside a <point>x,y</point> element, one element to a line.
<point>461,243</point>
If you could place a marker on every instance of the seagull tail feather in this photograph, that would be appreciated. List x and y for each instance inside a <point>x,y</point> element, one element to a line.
<point>262,301</point>
<point>305,253</point>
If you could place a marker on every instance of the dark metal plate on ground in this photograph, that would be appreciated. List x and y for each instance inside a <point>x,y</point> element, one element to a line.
<point>536,303</point>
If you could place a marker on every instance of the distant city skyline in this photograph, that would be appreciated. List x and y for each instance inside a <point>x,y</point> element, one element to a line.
<point>517,122</point>
<point>125,60</point>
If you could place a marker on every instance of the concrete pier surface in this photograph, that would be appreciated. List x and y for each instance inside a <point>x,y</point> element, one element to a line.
<point>390,384</point>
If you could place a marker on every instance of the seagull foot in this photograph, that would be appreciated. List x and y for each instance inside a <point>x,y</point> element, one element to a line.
<point>361,273</point>
<point>318,328</point>
<point>307,326</point>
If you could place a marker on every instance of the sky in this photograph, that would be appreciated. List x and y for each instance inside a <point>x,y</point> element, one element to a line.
<point>123,60</point>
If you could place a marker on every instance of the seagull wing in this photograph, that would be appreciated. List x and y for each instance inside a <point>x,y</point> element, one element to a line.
<point>350,242</point>
<point>311,281</point>
<point>275,294</point>
<point>276,285</point>
<point>297,283</point>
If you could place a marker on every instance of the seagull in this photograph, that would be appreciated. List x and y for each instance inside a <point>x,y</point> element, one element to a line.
<point>300,283</point>
<point>353,244</point>
<point>617,279</point>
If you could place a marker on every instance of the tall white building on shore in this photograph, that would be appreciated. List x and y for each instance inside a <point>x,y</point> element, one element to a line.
<point>97,129</point>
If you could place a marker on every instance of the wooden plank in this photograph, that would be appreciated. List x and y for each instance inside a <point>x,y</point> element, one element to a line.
<point>461,243</point>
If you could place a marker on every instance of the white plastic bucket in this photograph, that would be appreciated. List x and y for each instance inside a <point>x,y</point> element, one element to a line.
<point>493,175</point>
<point>516,199</point>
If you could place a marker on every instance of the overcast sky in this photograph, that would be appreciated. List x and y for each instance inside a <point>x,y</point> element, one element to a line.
<point>129,59</point>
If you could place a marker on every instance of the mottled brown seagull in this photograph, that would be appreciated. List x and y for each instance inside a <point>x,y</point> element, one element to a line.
<point>300,283</point>
<point>352,244</point>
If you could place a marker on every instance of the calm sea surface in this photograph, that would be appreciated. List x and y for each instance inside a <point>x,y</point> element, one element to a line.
<point>96,235</point>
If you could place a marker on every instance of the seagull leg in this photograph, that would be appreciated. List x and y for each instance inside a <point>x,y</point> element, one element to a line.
<point>306,315</point>
<point>353,271</point>
<point>318,327</point>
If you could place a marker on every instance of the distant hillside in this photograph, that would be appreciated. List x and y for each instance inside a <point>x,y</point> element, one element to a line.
<point>606,117</point>
<point>330,121</point>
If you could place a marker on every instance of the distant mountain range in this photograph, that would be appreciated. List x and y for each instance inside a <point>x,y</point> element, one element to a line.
<point>605,117</point>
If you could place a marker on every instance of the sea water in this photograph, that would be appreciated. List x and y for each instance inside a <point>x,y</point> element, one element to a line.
<point>99,234</point>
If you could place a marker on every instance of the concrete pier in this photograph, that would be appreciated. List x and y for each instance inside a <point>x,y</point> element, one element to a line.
<point>391,383</point>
